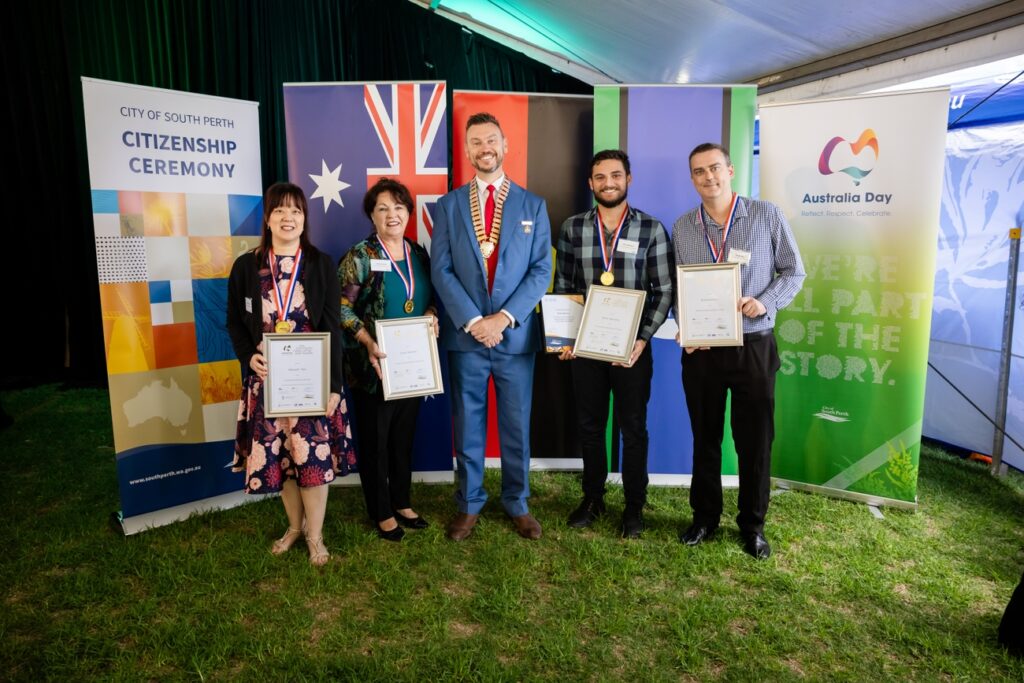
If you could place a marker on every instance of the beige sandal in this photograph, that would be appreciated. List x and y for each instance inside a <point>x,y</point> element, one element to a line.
<point>318,555</point>
<point>282,544</point>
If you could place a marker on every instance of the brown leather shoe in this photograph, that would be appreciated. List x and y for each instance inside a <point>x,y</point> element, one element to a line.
<point>461,526</point>
<point>527,526</point>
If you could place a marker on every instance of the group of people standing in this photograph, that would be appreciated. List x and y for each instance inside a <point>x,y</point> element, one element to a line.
<point>489,266</point>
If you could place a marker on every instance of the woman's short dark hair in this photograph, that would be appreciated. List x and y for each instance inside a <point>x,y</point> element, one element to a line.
<point>399,191</point>
<point>281,194</point>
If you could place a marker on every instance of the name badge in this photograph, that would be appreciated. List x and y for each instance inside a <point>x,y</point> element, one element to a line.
<point>380,265</point>
<point>739,256</point>
<point>248,304</point>
<point>527,226</point>
<point>628,246</point>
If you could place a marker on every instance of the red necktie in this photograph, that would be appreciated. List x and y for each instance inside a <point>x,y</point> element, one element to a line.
<point>492,262</point>
<point>489,210</point>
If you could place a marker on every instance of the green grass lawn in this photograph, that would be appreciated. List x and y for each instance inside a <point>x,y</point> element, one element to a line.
<point>915,596</point>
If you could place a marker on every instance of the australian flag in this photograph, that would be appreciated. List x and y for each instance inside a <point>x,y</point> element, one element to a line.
<point>343,137</point>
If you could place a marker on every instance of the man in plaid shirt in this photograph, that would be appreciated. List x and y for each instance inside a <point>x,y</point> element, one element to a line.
<point>755,234</point>
<point>614,244</point>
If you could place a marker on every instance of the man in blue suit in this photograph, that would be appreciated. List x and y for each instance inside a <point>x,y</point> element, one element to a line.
<point>491,264</point>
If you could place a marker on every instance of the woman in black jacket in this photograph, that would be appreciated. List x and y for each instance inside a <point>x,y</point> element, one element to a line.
<point>287,285</point>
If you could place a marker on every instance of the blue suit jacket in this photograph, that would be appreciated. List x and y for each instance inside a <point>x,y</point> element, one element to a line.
<point>522,276</point>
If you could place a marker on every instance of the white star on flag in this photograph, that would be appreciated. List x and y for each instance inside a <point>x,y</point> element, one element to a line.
<point>328,185</point>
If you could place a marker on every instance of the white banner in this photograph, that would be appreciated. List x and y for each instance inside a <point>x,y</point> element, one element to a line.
<point>151,139</point>
<point>176,198</point>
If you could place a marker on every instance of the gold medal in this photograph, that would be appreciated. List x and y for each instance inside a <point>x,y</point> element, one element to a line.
<point>486,249</point>
<point>282,327</point>
<point>607,279</point>
<point>408,306</point>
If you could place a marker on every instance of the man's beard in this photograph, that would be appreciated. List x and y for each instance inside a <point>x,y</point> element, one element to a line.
<point>610,204</point>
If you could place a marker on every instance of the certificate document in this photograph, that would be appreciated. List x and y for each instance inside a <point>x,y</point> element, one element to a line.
<point>611,320</point>
<point>708,305</point>
<point>298,374</point>
<point>562,315</point>
<point>411,367</point>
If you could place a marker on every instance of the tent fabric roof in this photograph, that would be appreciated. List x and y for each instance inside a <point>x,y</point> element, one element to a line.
<point>726,41</point>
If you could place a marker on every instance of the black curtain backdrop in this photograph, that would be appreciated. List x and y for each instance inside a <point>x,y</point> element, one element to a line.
<point>230,48</point>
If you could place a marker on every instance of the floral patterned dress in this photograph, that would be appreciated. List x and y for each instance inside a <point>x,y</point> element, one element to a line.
<point>313,450</point>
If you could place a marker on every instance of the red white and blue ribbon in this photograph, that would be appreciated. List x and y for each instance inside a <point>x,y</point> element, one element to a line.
<point>284,303</point>
<point>408,282</point>
<point>717,254</point>
<point>608,253</point>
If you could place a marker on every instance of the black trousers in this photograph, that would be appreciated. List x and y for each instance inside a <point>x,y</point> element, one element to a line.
<point>594,381</point>
<point>748,372</point>
<point>1011,628</point>
<point>384,438</point>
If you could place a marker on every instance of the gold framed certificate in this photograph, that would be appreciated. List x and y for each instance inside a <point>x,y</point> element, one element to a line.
<point>611,320</point>
<point>412,366</point>
<point>562,314</point>
<point>707,305</point>
<point>298,374</point>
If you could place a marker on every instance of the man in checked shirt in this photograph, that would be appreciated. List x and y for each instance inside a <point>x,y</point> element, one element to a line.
<point>726,227</point>
<point>616,245</point>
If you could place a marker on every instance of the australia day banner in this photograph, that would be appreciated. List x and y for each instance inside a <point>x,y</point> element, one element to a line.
<point>658,126</point>
<point>176,196</point>
<point>342,138</point>
<point>550,138</point>
<point>860,181</point>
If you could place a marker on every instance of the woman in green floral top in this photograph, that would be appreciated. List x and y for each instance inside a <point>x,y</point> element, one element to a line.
<point>384,276</point>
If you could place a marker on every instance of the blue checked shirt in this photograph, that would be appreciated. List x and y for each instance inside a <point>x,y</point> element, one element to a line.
<point>578,263</point>
<point>775,273</point>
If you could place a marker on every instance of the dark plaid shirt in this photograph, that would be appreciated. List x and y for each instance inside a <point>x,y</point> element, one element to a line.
<point>578,263</point>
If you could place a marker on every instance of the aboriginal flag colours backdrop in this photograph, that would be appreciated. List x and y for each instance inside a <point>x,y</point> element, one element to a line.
<point>549,148</point>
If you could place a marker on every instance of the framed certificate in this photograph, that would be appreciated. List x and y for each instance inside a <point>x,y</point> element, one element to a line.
<point>412,367</point>
<point>707,298</point>
<point>298,374</point>
<point>562,314</point>
<point>611,320</point>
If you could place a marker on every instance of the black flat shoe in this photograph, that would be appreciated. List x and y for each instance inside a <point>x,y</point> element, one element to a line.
<point>697,534</point>
<point>756,546</point>
<point>411,522</point>
<point>395,534</point>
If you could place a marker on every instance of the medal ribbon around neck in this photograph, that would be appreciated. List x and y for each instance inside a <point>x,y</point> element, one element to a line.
<point>716,255</point>
<point>608,253</point>
<point>478,218</point>
<point>410,282</point>
<point>284,304</point>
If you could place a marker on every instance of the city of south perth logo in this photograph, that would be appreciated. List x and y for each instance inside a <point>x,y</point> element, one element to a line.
<point>856,159</point>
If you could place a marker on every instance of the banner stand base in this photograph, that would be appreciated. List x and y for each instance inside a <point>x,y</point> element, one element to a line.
<point>866,498</point>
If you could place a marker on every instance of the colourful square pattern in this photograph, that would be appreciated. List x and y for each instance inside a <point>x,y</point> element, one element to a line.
<point>163,261</point>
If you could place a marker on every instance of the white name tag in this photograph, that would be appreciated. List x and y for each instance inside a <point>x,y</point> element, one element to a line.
<point>628,246</point>
<point>739,256</point>
<point>248,304</point>
<point>380,265</point>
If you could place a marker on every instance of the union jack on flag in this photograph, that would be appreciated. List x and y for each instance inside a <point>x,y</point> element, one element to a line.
<point>407,130</point>
<point>343,137</point>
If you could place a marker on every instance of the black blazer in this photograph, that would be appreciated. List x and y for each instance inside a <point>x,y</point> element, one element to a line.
<point>323,299</point>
